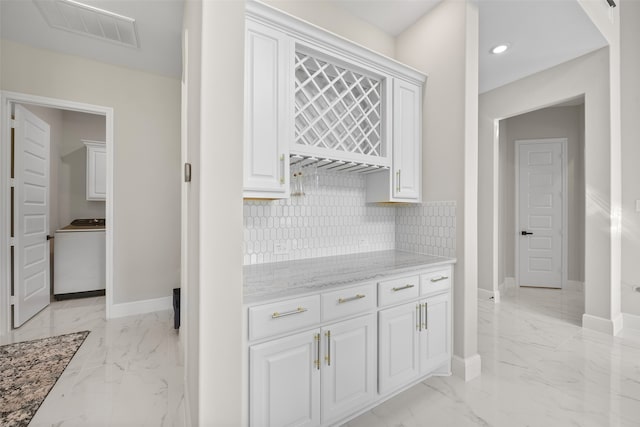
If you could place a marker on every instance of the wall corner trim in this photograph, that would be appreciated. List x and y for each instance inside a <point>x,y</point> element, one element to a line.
<point>140,307</point>
<point>600,324</point>
<point>631,321</point>
<point>484,294</point>
<point>468,368</point>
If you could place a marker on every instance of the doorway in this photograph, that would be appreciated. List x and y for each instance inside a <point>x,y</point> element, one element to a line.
<point>10,102</point>
<point>558,261</point>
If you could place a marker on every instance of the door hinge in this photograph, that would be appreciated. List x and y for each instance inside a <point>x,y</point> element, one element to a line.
<point>12,241</point>
<point>13,300</point>
<point>12,182</point>
<point>12,123</point>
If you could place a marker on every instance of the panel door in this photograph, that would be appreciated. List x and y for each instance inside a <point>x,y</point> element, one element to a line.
<point>349,368</point>
<point>540,213</point>
<point>267,112</point>
<point>435,344</point>
<point>407,141</point>
<point>31,203</point>
<point>398,346</point>
<point>284,384</point>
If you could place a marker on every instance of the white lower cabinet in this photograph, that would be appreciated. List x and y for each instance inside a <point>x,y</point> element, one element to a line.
<point>435,345</point>
<point>313,377</point>
<point>349,368</point>
<point>337,368</point>
<point>398,346</point>
<point>414,339</point>
<point>284,385</point>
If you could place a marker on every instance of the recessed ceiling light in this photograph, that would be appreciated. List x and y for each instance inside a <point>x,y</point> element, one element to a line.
<point>501,48</point>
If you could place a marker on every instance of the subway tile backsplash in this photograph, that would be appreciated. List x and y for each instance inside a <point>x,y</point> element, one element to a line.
<point>333,219</point>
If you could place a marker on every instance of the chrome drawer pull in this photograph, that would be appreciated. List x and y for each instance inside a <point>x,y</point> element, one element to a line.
<point>437,279</point>
<point>298,310</point>
<point>403,288</point>
<point>343,300</point>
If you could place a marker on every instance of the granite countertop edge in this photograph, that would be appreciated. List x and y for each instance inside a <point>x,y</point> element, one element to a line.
<point>271,282</point>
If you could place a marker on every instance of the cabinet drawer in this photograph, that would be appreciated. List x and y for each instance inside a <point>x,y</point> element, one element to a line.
<point>348,301</point>
<point>279,317</point>
<point>398,290</point>
<point>435,281</point>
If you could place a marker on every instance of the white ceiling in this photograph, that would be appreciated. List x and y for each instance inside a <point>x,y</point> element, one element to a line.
<point>542,33</point>
<point>159,25</point>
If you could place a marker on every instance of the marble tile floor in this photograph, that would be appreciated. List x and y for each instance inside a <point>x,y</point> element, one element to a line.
<point>128,372</point>
<point>539,368</point>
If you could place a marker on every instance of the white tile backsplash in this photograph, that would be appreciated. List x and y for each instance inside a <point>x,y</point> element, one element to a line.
<point>333,219</point>
<point>429,228</point>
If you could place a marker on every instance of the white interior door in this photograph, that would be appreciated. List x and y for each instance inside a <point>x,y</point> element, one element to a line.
<point>541,212</point>
<point>31,213</point>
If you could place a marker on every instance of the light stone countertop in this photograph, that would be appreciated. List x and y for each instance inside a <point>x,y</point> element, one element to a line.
<point>276,280</point>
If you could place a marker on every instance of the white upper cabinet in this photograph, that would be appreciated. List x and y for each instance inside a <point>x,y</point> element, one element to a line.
<point>312,97</point>
<point>407,141</point>
<point>267,112</point>
<point>96,170</point>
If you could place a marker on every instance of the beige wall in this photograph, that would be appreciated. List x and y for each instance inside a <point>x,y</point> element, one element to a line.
<point>586,75</point>
<point>558,122</point>
<point>339,21</point>
<point>630,29</point>
<point>147,154</point>
<point>444,44</point>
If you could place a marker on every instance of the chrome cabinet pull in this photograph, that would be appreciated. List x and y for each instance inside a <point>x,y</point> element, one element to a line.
<point>437,279</point>
<point>398,181</point>
<point>298,310</point>
<point>282,169</point>
<point>402,288</point>
<point>316,338</point>
<point>327,358</point>
<point>353,298</point>
<point>424,323</point>
<point>419,318</point>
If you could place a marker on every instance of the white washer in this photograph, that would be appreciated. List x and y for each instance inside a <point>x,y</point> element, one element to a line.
<point>79,261</point>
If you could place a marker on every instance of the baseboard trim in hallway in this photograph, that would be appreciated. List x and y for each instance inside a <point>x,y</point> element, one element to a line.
<point>140,307</point>
<point>600,324</point>
<point>468,368</point>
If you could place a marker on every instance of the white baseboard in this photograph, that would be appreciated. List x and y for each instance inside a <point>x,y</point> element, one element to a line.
<point>630,321</point>
<point>468,368</point>
<point>600,324</point>
<point>574,285</point>
<point>141,307</point>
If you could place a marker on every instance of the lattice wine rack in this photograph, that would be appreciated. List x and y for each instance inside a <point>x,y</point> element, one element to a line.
<point>338,112</point>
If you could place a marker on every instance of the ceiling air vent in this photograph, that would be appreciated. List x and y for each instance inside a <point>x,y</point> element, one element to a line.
<point>89,21</point>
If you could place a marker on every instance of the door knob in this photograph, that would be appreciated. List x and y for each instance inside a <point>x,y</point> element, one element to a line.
<point>525,233</point>
<point>49,237</point>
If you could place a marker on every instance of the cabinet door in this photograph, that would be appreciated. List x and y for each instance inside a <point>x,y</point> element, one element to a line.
<point>267,112</point>
<point>435,344</point>
<point>407,140</point>
<point>284,384</point>
<point>349,367</point>
<point>398,347</point>
<point>96,170</point>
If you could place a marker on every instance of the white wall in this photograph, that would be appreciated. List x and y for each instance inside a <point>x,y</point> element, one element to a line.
<point>147,152</point>
<point>630,34</point>
<point>332,18</point>
<point>558,122</point>
<point>588,75</point>
<point>444,44</point>
<point>215,357</point>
